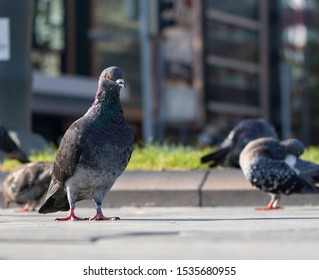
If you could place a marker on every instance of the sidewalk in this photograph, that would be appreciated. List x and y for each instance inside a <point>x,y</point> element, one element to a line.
<point>168,233</point>
<point>161,219</point>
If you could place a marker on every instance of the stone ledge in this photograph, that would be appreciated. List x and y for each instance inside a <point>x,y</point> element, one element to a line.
<point>189,188</point>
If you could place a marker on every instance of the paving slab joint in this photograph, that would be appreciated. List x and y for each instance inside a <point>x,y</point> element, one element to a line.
<point>200,188</point>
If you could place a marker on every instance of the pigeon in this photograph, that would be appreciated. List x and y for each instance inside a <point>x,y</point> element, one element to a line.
<point>93,152</point>
<point>244,132</point>
<point>275,167</point>
<point>10,148</point>
<point>27,184</point>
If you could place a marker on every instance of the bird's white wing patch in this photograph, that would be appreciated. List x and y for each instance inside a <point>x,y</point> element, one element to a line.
<point>291,161</point>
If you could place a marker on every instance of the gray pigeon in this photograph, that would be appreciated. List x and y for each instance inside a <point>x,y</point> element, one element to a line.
<point>93,153</point>
<point>275,168</point>
<point>10,148</point>
<point>27,184</point>
<point>244,132</point>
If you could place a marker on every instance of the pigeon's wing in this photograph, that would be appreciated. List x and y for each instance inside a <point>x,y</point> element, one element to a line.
<point>21,184</point>
<point>68,154</point>
<point>10,147</point>
<point>6,143</point>
<point>263,128</point>
<point>244,132</point>
<point>66,160</point>
<point>308,170</point>
<point>247,131</point>
<point>277,177</point>
<point>216,157</point>
<point>42,179</point>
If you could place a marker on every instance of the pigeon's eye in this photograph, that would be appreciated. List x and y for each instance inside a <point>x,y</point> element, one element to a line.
<point>108,77</point>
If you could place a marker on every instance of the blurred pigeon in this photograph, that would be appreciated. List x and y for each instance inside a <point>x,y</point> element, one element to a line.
<point>10,148</point>
<point>275,167</point>
<point>93,153</point>
<point>244,132</point>
<point>27,184</point>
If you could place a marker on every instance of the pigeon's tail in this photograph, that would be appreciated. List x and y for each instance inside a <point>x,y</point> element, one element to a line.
<point>50,206</point>
<point>18,155</point>
<point>10,148</point>
<point>302,186</point>
<point>217,157</point>
<point>308,170</point>
<point>310,189</point>
<point>58,201</point>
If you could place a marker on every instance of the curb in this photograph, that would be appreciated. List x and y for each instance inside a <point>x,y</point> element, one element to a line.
<point>211,188</point>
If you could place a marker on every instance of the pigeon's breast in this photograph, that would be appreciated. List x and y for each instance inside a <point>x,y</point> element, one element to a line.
<point>107,148</point>
<point>100,164</point>
<point>86,181</point>
<point>107,158</point>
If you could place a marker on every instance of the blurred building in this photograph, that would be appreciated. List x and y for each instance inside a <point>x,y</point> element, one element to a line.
<point>213,63</point>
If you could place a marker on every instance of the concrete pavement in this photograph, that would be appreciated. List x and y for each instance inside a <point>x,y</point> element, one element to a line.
<point>164,233</point>
<point>171,215</point>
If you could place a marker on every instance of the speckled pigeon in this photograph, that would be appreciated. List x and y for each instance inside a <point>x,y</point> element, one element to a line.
<point>10,148</point>
<point>27,184</point>
<point>93,152</point>
<point>244,132</point>
<point>275,168</point>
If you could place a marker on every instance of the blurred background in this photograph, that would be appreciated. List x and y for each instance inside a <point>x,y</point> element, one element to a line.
<point>193,68</point>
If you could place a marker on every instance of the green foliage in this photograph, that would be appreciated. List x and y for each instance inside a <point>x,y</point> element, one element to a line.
<point>167,157</point>
<point>47,155</point>
<point>157,157</point>
<point>311,154</point>
<point>9,164</point>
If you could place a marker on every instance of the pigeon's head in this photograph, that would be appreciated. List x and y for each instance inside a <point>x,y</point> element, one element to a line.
<point>266,146</point>
<point>112,76</point>
<point>293,146</point>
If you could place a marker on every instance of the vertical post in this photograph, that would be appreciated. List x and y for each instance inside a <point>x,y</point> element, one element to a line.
<point>160,135</point>
<point>263,59</point>
<point>199,61</point>
<point>146,72</point>
<point>305,109</point>
<point>15,70</point>
<point>286,82</point>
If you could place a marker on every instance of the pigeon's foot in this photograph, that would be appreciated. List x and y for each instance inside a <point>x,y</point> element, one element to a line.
<point>273,204</point>
<point>25,208</point>
<point>269,208</point>
<point>100,217</point>
<point>71,217</point>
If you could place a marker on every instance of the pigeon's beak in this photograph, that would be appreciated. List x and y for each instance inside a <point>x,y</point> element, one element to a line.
<point>121,83</point>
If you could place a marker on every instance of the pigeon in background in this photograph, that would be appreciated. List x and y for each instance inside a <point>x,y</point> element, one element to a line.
<point>244,132</point>
<point>275,168</point>
<point>93,153</point>
<point>10,148</point>
<point>27,184</point>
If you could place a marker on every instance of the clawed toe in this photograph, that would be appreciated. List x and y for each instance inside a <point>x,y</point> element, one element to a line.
<point>268,208</point>
<point>99,217</point>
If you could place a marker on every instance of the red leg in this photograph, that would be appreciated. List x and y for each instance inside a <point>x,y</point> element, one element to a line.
<point>71,217</point>
<point>25,208</point>
<point>269,207</point>
<point>272,205</point>
<point>100,217</point>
